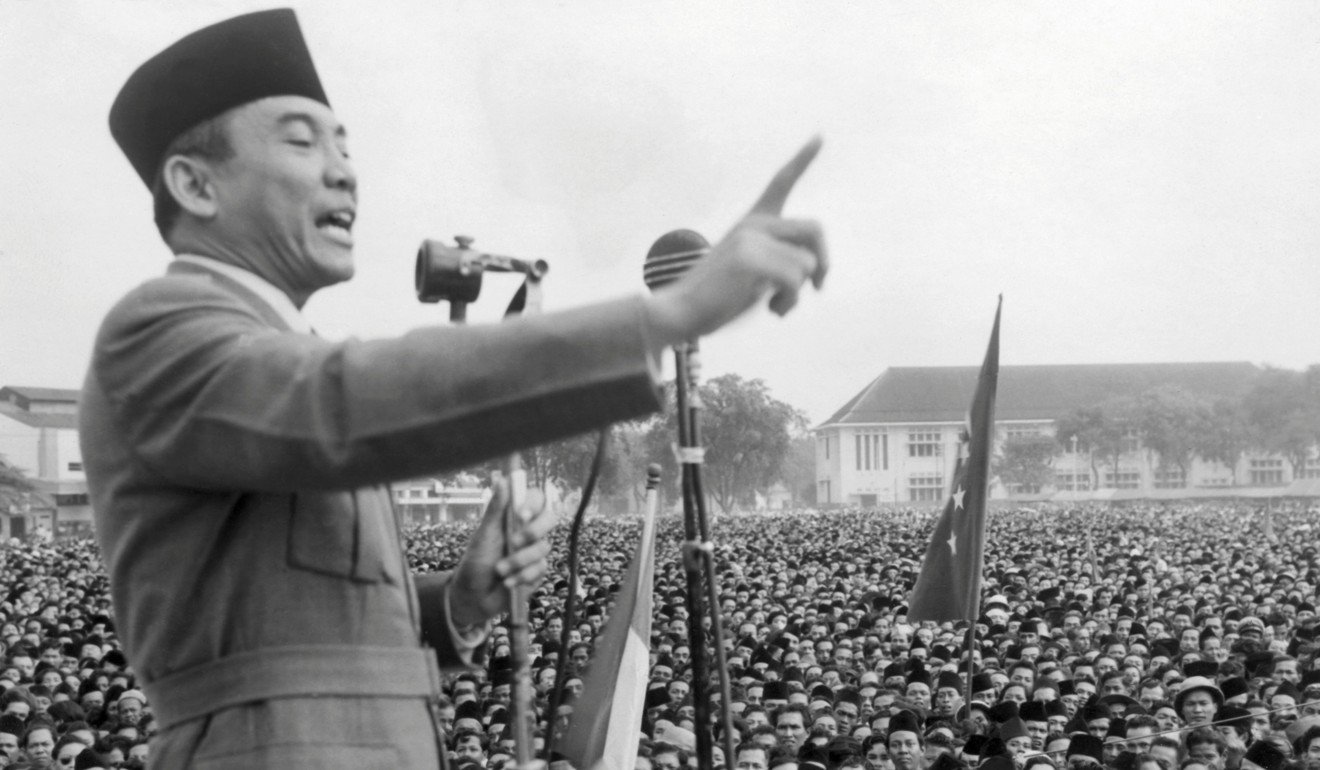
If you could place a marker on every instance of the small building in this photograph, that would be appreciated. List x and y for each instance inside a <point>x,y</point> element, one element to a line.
<point>429,501</point>
<point>39,436</point>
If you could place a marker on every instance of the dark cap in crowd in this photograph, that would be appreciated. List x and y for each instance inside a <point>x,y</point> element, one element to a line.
<point>1265,755</point>
<point>11,724</point>
<point>1086,745</point>
<point>904,722</point>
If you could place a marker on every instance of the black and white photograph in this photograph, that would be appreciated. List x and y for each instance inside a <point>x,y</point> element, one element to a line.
<point>659,386</point>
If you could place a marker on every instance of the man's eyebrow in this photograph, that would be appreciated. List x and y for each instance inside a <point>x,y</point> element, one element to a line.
<point>311,121</point>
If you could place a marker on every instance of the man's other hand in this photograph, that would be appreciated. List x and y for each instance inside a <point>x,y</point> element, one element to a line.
<point>480,587</point>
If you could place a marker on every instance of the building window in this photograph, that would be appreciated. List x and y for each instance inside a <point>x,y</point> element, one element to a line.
<point>1021,432</point>
<point>1023,489</point>
<point>1267,472</point>
<point>1170,478</point>
<point>824,490</point>
<point>924,444</point>
<point>75,466</point>
<point>1131,442</point>
<point>871,455</point>
<point>1072,482</point>
<point>925,487</point>
<point>1122,480</point>
<point>872,451</point>
<point>1311,470</point>
<point>827,447</point>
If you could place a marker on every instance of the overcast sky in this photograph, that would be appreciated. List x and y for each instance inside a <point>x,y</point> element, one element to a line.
<point>1140,180</point>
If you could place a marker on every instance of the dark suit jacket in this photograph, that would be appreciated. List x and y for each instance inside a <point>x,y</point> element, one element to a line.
<point>237,474</point>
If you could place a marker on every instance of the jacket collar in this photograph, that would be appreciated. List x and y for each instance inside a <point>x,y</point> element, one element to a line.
<point>272,304</point>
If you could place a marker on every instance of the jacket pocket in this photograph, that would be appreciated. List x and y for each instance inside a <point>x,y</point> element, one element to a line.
<point>343,534</point>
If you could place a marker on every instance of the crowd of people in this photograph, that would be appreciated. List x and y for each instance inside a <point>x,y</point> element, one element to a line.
<point>1158,637</point>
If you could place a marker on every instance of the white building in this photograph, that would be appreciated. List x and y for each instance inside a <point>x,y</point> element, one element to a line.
<point>39,436</point>
<point>896,441</point>
<point>430,501</point>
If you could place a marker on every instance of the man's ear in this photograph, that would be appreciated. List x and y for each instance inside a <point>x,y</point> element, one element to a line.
<point>190,181</point>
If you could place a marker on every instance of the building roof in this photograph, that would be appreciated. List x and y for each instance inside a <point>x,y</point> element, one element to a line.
<point>1303,488</point>
<point>915,394</point>
<point>24,395</point>
<point>61,420</point>
<point>61,487</point>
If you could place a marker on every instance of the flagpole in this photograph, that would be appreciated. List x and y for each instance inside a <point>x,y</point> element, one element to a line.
<point>974,614</point>
<point>978,558</point>
<point>971,665</point>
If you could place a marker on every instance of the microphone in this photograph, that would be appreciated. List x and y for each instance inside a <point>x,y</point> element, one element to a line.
<point>453,273</point>
<point>672,255</point>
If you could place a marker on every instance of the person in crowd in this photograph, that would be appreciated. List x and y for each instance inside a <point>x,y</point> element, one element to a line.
<point>39,743</point>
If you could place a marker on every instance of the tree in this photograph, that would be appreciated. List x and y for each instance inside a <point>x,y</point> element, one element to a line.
<point>16,489</point>
<point>1225,436</point>
<point>1082,429</point>
<point>746,434</point>
<point>1026,462</point>
<point>1170,420</point>
<point>799,473</point>
<point>567,461</point>
<point>1283,412</point>
<point>624,490</point>
<point>659,438</point>
<point>1103,431</point>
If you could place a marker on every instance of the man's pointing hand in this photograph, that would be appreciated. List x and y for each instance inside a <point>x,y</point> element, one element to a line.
<point>764,253</point>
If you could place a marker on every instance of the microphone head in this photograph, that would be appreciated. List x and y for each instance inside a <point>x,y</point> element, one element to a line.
<point>671,256</point>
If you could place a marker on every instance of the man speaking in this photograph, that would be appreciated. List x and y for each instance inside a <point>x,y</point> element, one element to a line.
<point>238,463</point>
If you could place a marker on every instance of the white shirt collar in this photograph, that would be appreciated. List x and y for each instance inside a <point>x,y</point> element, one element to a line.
<point>278,300</point>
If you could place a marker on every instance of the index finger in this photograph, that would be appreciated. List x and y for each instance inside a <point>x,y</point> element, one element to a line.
<point>772,200</point>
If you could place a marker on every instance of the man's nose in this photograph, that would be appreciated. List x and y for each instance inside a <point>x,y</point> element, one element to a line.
<point>339,172</point>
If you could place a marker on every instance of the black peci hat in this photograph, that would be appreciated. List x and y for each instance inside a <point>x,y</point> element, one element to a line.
<point>214,69</point>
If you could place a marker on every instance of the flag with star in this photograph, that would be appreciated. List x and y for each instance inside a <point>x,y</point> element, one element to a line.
<point>949,585</point>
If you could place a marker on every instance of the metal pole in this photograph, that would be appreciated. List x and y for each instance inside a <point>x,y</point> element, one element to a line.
<point>699,563</point>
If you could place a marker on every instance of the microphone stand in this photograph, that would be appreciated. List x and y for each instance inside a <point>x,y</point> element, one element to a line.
<point>522,714</point>
<point>454,274</point>
<point>699,562</point>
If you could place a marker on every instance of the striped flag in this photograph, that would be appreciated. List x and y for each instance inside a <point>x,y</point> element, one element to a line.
<point>607,718</point>
<point>949,585</point>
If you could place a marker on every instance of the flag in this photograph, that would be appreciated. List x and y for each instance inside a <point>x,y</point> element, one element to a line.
<point>949,585</point>
<point>607,717</point>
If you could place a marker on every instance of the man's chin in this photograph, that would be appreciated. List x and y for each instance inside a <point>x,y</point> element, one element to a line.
<point>336,271</point>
